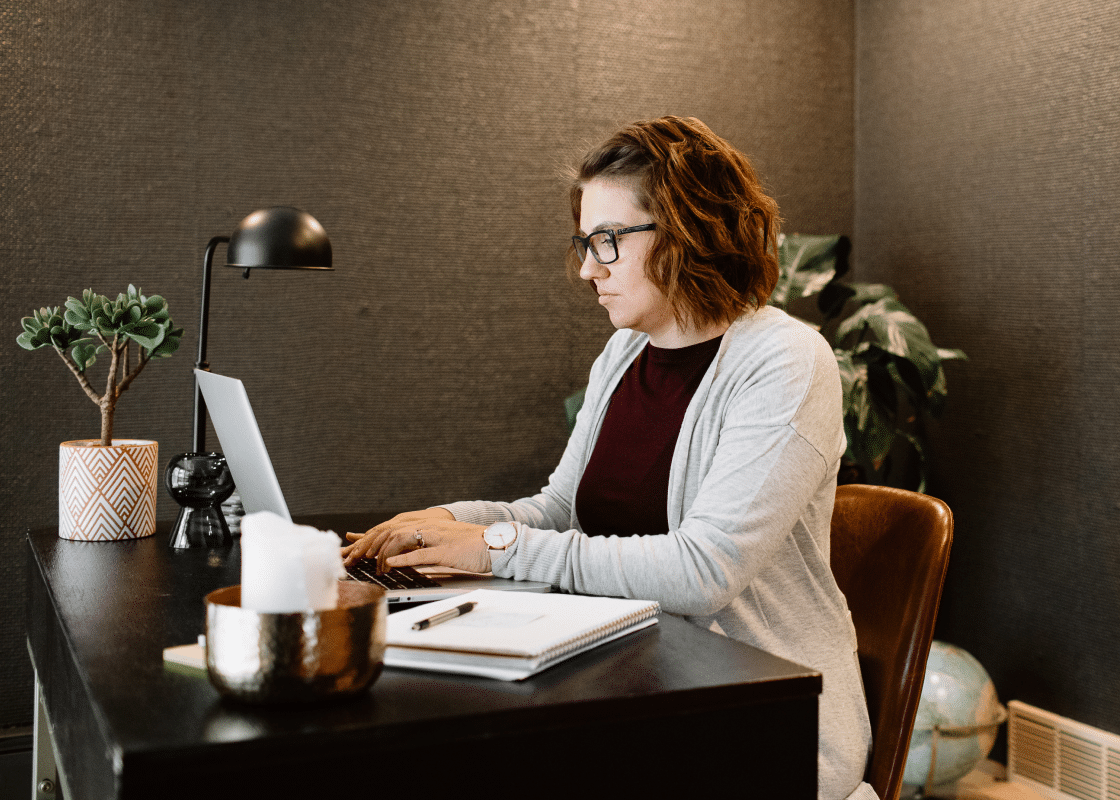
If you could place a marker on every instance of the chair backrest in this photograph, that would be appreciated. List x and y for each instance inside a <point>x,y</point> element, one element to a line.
<point>889,553</point>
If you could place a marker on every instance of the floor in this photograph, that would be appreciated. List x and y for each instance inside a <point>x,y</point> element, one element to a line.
<point>987,782</point>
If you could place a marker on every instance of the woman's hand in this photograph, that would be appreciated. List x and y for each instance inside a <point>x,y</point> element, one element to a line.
<point>441,541</point>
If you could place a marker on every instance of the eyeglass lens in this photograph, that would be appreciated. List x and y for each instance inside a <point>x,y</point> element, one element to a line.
<point>602,246</point>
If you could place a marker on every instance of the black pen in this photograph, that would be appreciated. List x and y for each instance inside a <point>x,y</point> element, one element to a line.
<point>443,616</point>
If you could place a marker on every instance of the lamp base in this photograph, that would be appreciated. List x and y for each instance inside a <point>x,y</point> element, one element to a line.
<point>200,527</point>
<point>199,483</point>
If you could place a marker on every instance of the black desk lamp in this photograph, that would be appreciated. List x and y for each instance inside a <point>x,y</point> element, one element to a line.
<point>274,238</point>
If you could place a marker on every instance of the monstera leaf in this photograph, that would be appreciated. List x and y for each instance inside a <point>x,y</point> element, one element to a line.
<point>810,265</point>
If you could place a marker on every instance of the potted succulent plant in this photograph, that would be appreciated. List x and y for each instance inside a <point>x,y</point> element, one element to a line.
<point>892,372</point>
<point>106,486</point>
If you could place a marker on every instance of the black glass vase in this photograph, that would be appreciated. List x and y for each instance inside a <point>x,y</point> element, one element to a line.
<point>199,483</point>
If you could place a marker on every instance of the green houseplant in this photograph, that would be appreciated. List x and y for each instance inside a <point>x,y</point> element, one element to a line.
<point>106,485</point>
<point>891,371</point>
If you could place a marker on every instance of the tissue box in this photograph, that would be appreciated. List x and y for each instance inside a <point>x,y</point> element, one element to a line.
<point>287,567</point>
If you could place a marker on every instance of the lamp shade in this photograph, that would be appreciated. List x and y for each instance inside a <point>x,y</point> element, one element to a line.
<point>279,238</point>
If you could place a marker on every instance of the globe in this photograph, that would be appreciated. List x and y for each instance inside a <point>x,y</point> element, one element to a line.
<point>958,697</point>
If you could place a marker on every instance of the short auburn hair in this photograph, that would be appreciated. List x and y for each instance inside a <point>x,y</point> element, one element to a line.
<point>715,251</point>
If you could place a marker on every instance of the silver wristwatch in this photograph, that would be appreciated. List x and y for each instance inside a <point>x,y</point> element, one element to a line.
<point>500,535</point>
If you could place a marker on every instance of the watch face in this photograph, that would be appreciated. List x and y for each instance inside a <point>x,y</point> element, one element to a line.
<point>500,535</point>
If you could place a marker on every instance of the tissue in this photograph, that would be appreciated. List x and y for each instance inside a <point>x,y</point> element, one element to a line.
<point>288,568</point>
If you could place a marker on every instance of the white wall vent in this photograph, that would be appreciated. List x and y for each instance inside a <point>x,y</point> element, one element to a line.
<point>1059,758</point>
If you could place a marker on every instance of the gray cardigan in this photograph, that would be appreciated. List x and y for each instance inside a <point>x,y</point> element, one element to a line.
<point>751,489</point>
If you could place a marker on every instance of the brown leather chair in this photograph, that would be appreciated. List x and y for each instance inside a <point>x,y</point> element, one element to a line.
<point>890,550</point>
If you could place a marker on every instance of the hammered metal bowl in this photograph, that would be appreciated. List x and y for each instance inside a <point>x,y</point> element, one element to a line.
<point>298,657</point>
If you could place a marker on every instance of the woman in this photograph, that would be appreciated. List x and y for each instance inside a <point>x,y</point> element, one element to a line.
<point>702,469</point>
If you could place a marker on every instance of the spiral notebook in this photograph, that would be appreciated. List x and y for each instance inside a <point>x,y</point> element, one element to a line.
<point>511,636</point>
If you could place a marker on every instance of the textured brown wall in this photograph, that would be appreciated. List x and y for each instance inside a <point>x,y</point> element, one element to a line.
<point>988,160</point>
<point>427,138</point>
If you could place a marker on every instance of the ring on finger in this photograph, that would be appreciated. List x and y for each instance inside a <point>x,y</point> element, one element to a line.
<point>420,539</point>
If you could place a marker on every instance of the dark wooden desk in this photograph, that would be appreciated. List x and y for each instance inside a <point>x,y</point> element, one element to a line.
<point>672,708</point>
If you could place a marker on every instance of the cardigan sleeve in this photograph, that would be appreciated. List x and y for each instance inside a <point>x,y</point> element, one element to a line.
<point>702,565</point>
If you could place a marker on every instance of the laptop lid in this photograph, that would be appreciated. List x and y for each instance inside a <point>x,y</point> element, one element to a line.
<point>243,446</point>
<point>242,443</point>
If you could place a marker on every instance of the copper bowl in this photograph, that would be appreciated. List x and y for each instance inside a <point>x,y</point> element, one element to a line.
<point>298,657</point>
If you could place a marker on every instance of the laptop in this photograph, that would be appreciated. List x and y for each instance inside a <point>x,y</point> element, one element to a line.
<point>228,405</point>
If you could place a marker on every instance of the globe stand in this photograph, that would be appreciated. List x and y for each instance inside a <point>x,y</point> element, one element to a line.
<point>199,483</point>
<point>955,732</point>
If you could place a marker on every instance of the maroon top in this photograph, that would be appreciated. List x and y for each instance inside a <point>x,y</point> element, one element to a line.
<point>625,487</point>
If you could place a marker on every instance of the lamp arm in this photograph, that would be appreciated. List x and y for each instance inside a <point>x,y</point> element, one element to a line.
<point>199,403</point>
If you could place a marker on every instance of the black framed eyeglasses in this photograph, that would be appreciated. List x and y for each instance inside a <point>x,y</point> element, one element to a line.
<point>604,244</point>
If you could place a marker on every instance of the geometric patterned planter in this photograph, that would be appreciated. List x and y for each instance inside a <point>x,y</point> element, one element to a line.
<point>107,493</point>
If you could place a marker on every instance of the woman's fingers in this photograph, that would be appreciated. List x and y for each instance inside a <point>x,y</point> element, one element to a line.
<point>373,539</point>
<point>368,546</point>
<point>389,539</point>
<point>411,540</point>
<point>395,543</point>
<point>363,544</point>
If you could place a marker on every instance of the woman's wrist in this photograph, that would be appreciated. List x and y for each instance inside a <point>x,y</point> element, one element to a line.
<point>500,559</point>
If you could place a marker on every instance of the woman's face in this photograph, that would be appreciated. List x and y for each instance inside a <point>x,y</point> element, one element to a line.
<point>631,299</point>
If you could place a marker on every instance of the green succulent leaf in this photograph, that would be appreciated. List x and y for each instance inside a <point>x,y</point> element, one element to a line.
<point>132,316</point>
<point>84,355</point>
<point>33,340</point>
<point>87,314</point>
<point>169,344</point>
<point>145,328</point>
<point>79,313</point>
<point>149,341</point>
<point>47,327</point>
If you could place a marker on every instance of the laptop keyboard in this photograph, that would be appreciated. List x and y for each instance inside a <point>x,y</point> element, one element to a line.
<point>395,578</point>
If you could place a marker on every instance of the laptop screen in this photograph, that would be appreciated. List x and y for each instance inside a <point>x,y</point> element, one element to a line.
<point>232,415</point>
